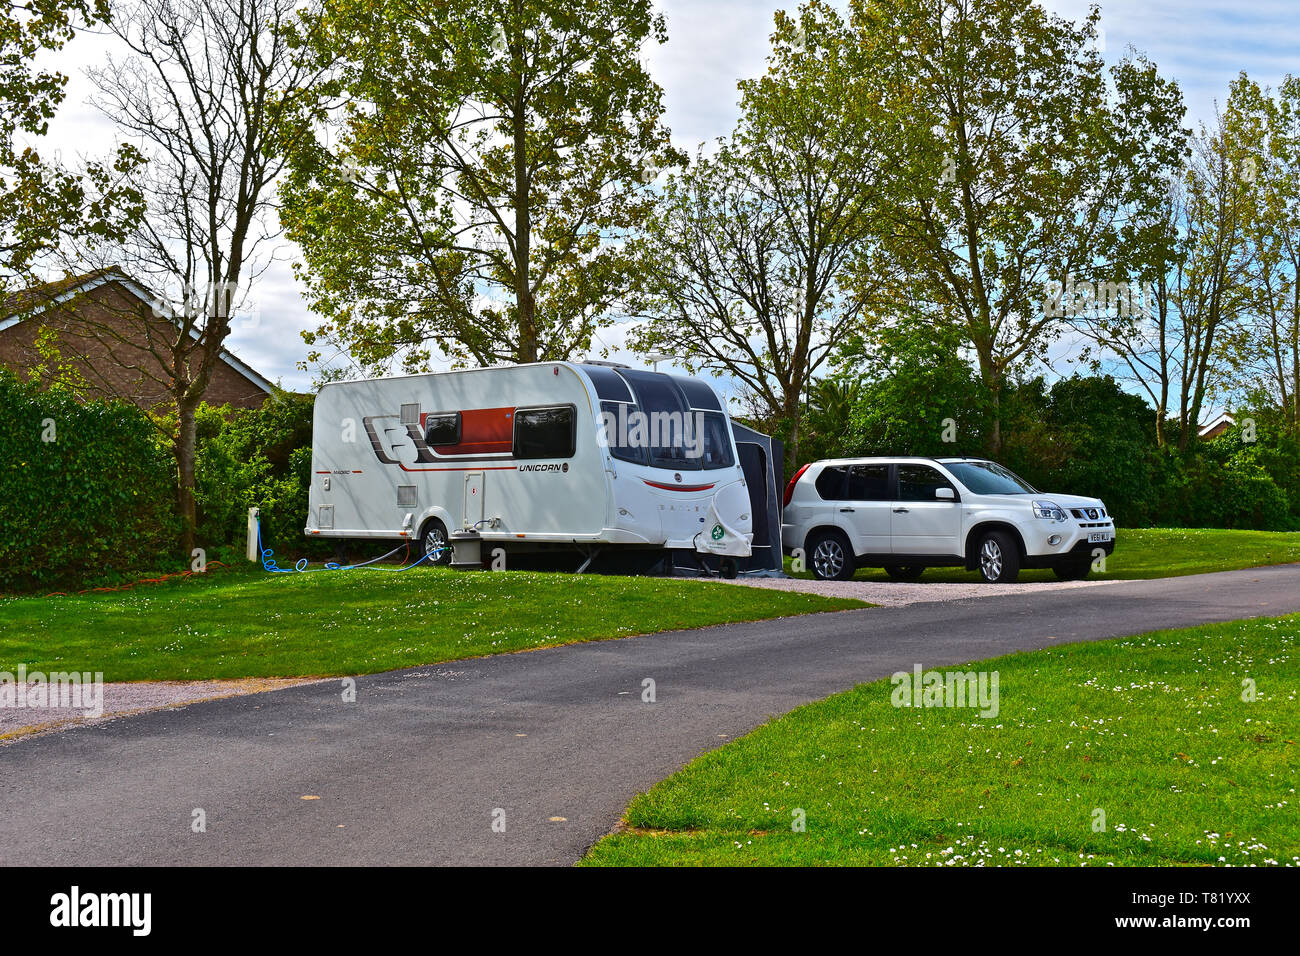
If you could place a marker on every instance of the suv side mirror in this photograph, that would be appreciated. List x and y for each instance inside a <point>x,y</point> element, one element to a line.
<point>945,494</point>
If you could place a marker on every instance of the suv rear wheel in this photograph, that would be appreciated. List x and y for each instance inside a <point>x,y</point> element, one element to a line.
<point>999,558</point>
<point>830,556</point>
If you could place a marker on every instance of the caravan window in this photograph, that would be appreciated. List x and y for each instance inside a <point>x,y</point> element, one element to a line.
<point>621,438</point>
<point>667,420</point>
<point>717,441</point>
<point>544,432</point>
<point>443,429</point>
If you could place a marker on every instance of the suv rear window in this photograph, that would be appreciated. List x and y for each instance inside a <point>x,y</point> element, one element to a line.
<point>869,483</point>
<point>830,483</point>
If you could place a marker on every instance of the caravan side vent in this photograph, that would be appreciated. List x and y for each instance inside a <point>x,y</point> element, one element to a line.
<point>325,518</point>
<point>406,496</point>
<point>410,413</point>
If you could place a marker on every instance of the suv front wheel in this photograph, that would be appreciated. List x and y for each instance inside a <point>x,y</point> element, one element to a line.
<point>830,556</point>
<point>999,558</point>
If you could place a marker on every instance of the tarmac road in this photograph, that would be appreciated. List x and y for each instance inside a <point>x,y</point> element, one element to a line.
<point>555,741</point>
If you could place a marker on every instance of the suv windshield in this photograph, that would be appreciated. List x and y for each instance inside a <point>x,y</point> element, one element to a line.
<point>989,478</point>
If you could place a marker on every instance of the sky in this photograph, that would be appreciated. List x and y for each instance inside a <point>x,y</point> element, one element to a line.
<point>711,45</point>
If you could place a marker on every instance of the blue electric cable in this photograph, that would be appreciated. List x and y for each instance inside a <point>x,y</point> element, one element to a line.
<point>300,566</point>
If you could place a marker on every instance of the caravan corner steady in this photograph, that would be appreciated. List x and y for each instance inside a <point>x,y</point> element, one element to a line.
<point>524,455</point>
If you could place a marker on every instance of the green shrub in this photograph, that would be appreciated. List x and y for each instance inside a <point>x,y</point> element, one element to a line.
<point>1269,444</point>
<point>1241,494</point>
<point>256,458</point>
<point>85,490</point>
<point>1105,440</point>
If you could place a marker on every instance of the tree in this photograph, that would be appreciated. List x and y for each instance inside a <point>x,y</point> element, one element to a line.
<point>1015,161</point>
<point>1176,346</point>
<point>827,415</point>
<point>473,176</point>
<point>919,395</point>
<point>41,203</point>
<point>747,259</point>
<point>208,89</point>
<point>1268,351</point>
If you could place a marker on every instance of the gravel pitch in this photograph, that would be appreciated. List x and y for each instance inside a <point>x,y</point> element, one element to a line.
<point>900,593</point>
<point>133,698</point>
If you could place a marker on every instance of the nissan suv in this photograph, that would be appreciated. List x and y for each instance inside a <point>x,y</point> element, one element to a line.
<point>909,514</point>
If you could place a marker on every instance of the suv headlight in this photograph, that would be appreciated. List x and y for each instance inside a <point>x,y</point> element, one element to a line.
<point>1049,510</point>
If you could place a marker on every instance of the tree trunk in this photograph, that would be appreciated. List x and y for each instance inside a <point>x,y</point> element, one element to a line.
<point>992,379</point>
<point>186,451</point>
<point>793,413</point>
<point>525,304</point>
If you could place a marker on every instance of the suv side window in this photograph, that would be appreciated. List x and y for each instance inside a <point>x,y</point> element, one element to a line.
<point>920,482</point>
<point>869,483</point>
<point>830,483</point>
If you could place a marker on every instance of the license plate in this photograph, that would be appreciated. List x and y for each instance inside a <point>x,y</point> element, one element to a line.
<point>1099,536</point>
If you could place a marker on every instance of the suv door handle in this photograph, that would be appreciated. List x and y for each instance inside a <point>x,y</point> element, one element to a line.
<point>846,510</point>
<point>900,511</point>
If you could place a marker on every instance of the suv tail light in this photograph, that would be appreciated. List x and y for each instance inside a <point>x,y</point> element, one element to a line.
<point>789,489</point>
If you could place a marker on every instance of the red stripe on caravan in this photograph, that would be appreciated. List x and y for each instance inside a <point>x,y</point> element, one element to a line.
<point>461,468</point>
<point>655,484</point>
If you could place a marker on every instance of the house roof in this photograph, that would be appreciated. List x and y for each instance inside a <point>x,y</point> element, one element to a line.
<point>32,301</point>
<point>1219,422</point>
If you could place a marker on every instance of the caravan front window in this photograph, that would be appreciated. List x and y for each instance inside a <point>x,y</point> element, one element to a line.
<point>668,421</point>
<point>673,431</point>
<point>620,434</point>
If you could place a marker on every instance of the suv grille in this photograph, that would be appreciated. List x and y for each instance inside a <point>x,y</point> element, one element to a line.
<point>1091,517</point>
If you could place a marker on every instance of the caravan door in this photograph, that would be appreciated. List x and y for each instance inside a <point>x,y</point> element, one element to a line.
<point>473,499</point>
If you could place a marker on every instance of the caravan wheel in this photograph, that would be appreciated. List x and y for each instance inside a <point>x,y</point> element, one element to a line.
<point>432,538</point>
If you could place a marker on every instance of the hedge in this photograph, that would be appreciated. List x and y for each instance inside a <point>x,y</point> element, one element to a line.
<point>85,489</point>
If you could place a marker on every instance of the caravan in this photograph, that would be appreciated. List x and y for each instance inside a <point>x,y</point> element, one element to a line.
<point>584,458</point>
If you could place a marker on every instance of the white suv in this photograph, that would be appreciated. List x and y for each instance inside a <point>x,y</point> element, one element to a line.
<point>909,514</point>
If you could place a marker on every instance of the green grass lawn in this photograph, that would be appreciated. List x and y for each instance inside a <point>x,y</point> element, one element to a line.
<point>1151,730</point>
<point>1155,553</point>
<point>252,624</point>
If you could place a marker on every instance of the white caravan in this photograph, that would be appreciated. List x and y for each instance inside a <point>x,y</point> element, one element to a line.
<point>544,456</point>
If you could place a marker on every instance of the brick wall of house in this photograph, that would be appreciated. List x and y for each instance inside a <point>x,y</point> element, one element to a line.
<point>101,334</point>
